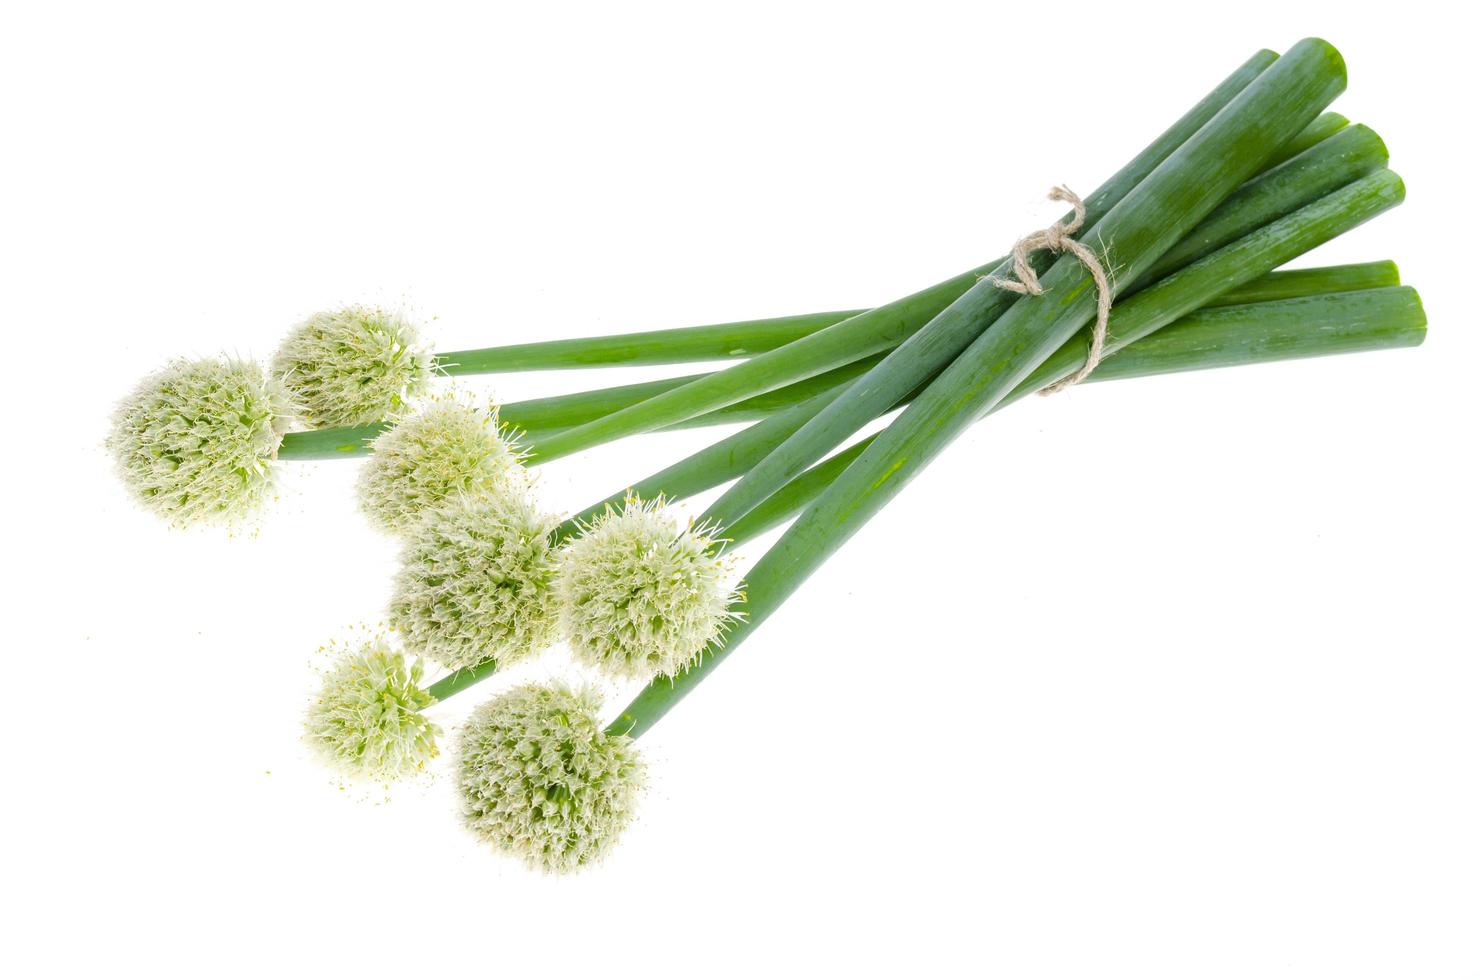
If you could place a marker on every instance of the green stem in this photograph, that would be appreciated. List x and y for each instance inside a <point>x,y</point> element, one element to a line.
<point>1305,282</point>
<point>460,680</point>
<point>1150,220</point>
<point>758,407</point>
<point>1326,124</point>
<point>713,342</point>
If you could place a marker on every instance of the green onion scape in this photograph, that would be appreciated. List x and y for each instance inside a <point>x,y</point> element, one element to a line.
<point>840,410</point>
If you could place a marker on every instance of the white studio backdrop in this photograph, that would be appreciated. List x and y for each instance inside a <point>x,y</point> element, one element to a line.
<point>1163,678</point>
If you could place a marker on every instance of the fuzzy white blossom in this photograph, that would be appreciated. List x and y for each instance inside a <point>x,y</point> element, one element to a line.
<point>541,780</point>
<point>446,449</point>
<point>641,594</point>
<point>366,721</point>
<point>195,441</point>
<point>354,366</point>
<point>476,581</point>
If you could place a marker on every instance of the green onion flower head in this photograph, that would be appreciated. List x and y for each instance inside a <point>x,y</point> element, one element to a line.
<point>366,721</point>
<point>476,581</point>
<point>447,448</point>
<point>354,366</point>
<point>541,780</point>
<point>195,441</point>
<point>639,594</point>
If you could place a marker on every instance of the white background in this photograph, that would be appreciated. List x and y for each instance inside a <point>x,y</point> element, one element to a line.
<point>1165,678</point>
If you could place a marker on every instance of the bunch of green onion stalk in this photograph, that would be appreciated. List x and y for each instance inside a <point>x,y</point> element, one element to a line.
<point>1195,229</point>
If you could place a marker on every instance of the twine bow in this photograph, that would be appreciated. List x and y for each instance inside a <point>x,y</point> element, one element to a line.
<point>1058,237</point>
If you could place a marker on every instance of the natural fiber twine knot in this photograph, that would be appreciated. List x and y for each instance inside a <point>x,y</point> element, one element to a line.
<point>1058,237</point>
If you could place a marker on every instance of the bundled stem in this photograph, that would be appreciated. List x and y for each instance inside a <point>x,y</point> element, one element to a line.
<point>1149,221</point>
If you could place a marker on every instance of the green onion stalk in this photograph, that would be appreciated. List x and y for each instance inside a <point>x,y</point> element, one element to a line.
<point>1039,339</point>
<point>681,345</point>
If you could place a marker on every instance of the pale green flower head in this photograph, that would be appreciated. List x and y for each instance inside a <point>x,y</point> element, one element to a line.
<point>366,722</point>
<point>448,448</point>
<point>541,780</point>
<point>195,441</point>
<point>640,594</point>
<point>477,581</point>
<point>354,366</point>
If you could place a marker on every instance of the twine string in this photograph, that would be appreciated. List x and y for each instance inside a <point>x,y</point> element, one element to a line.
<point>1058,237</point>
